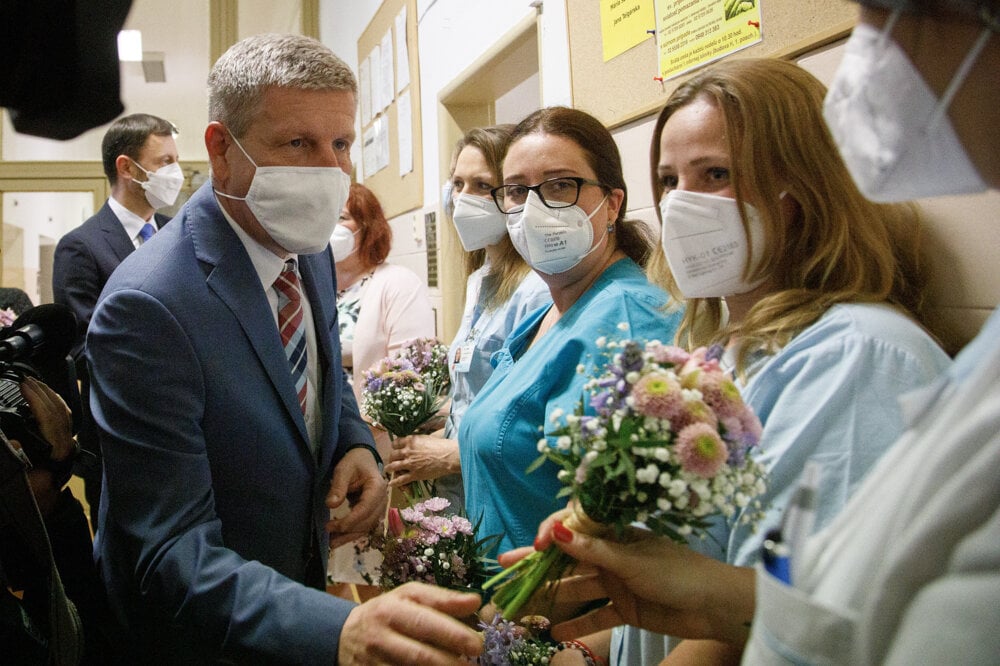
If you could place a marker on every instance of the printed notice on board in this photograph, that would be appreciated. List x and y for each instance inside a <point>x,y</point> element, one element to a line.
<point>691,33</point>
<point>624,24</point>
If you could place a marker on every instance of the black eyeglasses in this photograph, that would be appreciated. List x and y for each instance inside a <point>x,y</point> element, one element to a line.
<point>554,193</point>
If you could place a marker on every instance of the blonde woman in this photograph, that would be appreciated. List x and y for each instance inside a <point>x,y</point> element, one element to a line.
<point>813,291</point>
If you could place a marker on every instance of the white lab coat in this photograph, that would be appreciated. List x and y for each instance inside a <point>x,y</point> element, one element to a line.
<point>909,572</point>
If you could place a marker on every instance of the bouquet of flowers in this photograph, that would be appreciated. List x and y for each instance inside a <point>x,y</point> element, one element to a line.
<point>423,543</point>
<point>7,317</point>
<point>666,445</point>
<point>404,391</point>
<point>507,643</point>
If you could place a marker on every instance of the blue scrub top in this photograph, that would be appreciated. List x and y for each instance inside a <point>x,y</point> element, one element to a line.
<point>481,333</point>
<point>498,437</point>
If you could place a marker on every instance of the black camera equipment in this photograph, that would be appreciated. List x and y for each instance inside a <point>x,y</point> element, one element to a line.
<point>37,344</point>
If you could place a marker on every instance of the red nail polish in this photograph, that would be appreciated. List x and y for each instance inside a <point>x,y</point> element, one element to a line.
<point>561,533</point>
<point>538,543</point>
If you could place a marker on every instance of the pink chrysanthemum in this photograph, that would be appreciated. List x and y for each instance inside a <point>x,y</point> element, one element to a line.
<point>701,450</point>
<point>691,412</point>
<point>721,394</point>
<point>434,504</point>
<point>658,395</point>
<point>733,427</point>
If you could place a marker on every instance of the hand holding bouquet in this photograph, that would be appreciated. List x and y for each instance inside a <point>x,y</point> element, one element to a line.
<point>404,391</point>
<point>665,444</point>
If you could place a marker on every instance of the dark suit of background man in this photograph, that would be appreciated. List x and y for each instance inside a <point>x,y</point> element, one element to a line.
<point>140,161</point>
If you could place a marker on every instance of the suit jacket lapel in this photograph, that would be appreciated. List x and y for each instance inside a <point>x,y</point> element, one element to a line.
<point>114,233</point>
<point>235,281</point>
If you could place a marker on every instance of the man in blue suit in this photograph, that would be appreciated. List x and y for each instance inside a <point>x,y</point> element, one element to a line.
<point>223,455</point>
<point>139,155</point>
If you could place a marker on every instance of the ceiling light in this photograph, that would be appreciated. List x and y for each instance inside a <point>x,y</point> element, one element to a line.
<point>130,46</point>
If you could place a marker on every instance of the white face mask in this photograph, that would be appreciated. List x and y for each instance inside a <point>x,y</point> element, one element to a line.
<point>297,206</point>
<point>478,222</point>
<point>342,243</point>
<point>892,131</point>
<point>163,185</point>
<point>552,240</point>
<point>705,243</point>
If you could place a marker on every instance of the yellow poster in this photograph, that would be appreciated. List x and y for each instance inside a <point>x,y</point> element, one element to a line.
<point>625,23</point>
<point>691,33</point>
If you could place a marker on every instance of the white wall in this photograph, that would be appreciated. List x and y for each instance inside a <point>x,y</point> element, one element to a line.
<point>31,221</point>
<point>453,34</point>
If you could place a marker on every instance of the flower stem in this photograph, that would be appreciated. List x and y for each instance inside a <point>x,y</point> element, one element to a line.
<point>529,575</point>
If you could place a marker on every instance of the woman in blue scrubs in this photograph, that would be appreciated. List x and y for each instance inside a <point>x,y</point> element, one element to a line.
<point>565,199</point>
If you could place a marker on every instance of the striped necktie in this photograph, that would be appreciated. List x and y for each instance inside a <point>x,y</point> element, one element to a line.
<point>290,327</point>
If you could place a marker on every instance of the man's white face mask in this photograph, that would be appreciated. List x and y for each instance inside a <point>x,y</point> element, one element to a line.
<point>297,206</point>
<point>897,151</point>
<point>163,185</point>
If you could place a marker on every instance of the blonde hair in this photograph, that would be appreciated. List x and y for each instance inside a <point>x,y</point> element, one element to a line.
<point>509,269</point>
<point>839,248</point>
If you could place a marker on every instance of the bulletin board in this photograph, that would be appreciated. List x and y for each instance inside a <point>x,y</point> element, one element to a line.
<point>398,193</point>
<point>624,89</point>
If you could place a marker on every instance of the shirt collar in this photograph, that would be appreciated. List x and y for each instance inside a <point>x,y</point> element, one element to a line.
<point>129,220</point>
<point>267,264</point>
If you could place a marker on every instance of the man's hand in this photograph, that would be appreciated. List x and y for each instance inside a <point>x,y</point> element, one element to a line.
<point>412,624</point>
<point>357,481</point>
<point>55,420</point>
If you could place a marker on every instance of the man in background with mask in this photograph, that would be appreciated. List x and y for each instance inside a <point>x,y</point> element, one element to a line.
<point>139,155</point>
<point>909,571</point>
<point>229,428</point>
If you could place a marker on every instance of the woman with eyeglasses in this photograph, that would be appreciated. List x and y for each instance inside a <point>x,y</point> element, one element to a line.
<point>501,290</point>
<point>565,200</point>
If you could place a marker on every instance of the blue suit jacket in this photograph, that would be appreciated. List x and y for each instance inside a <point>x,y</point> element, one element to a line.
<point>212,520</point>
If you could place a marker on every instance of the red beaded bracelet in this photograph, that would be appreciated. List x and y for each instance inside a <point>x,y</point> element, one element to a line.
<point>588,654</point>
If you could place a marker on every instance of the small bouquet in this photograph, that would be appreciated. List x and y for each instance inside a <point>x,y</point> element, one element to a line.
<point>7,317</point>
<point>507,643</point>
<point>425,544</point>
<point>404,391</point>
<point>666,445</point>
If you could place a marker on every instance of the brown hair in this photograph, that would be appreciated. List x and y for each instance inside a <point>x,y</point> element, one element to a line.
<point>601,153</point>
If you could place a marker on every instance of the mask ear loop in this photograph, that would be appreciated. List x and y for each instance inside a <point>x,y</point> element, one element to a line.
<point>959,78</point>
<point>888,27</point>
